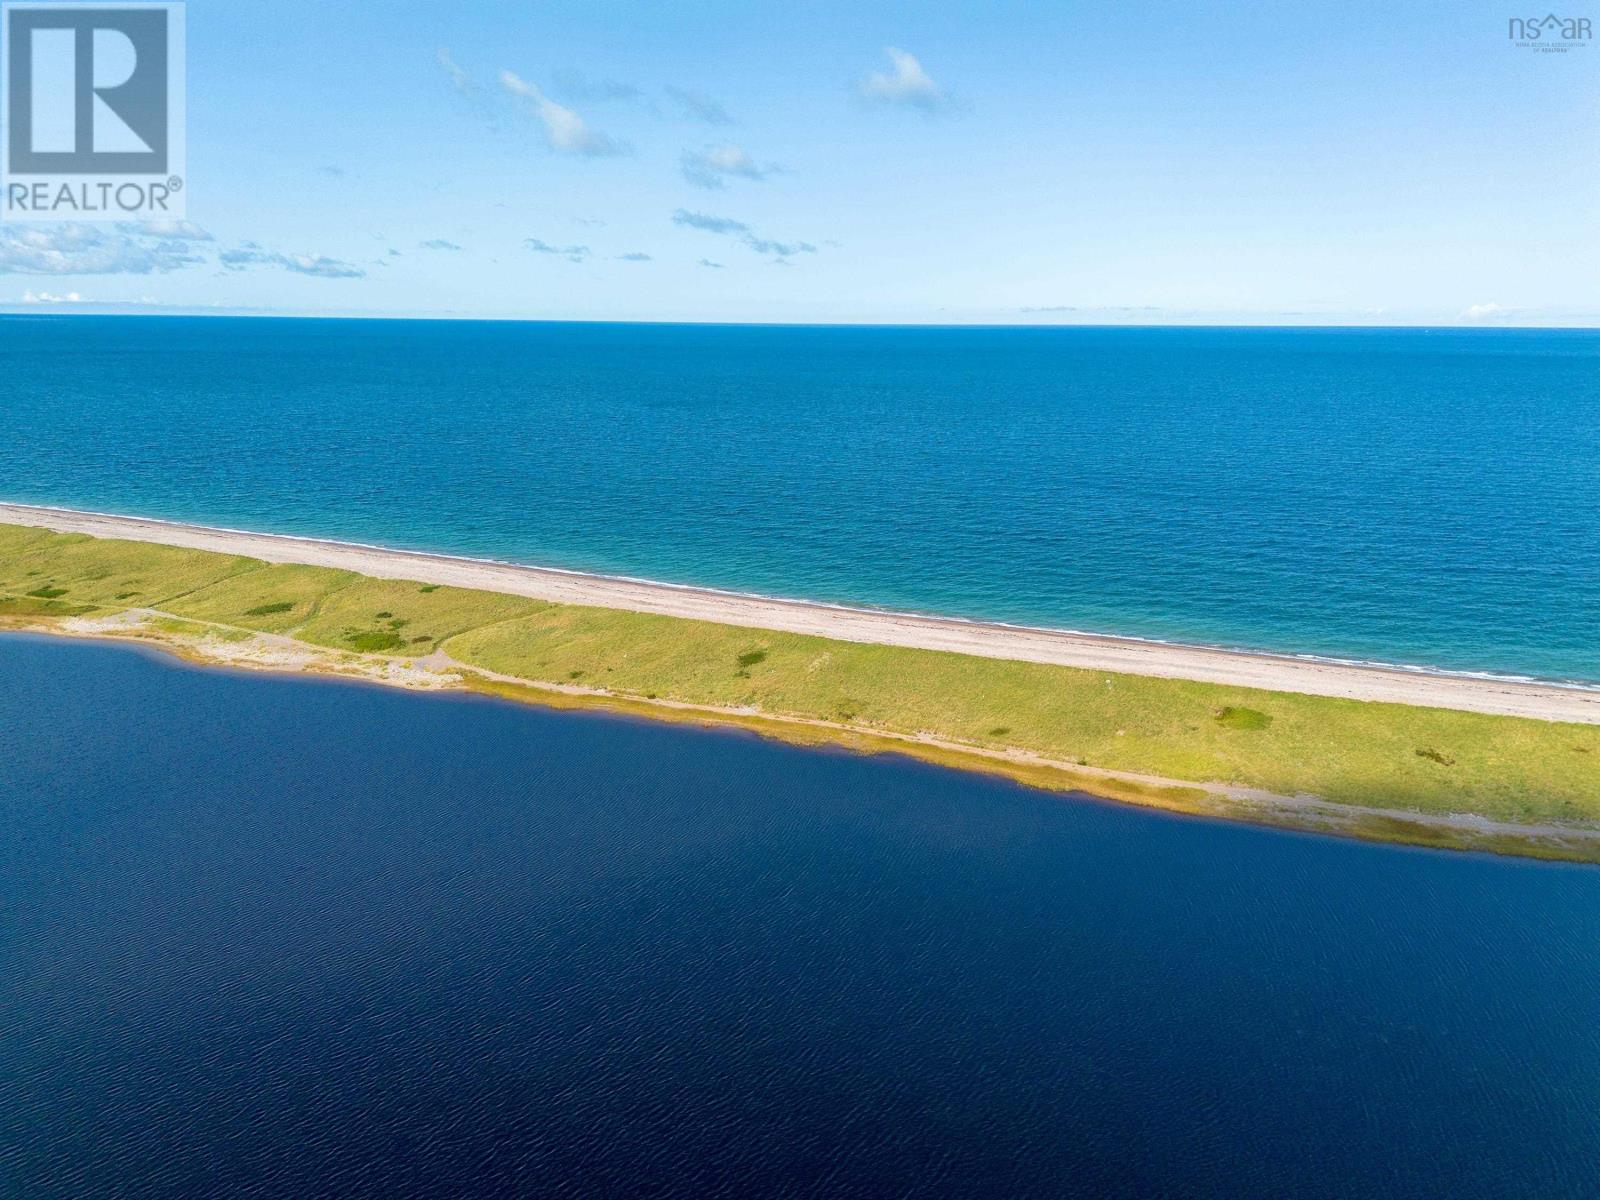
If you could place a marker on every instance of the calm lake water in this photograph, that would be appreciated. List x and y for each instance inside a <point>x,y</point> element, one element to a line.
<point>264,937</point>
<point>1419,496</point>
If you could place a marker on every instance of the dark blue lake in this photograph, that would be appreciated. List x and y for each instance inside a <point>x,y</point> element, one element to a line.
<point>267,937</point>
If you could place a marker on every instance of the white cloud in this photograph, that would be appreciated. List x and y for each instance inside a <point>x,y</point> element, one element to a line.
<point>172,230</point>
<point>148,248</point>
<point>564,130</point>
<point>318,265</point>
<point>710,168</point>
<point>906,83</point>
<point>474,98</point>
<point>78,249</point>
<point>1484,312</point>
<point>50,298</point>
<point>781,249</point>
<point>705,221</point>
<point>570,253</point>
<point>571,85</point>
<point>699,106</point>
<point>727,225</point>
<point>459,79</point>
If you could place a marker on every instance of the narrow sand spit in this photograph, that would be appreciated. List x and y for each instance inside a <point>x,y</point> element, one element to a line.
<point>1508,697</point>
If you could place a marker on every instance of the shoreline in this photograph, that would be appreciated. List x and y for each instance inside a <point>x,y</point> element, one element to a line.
<point>1231,803</point>
<point>1382,683</point>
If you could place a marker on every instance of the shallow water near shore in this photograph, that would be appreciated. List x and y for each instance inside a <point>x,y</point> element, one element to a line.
<point>1407,496</point>
<point>295,938</point>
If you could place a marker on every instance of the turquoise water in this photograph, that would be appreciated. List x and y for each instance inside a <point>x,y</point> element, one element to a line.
<point>287,938</point>
<point>1425,496</point>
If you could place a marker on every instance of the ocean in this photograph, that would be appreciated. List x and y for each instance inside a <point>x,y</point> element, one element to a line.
<point>298,938</point>
<point>1425,497</point>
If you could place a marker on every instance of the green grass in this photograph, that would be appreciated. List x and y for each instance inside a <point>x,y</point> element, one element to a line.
<point>199,630</point>
<point>349,619</point>
<point>373,641</point>
<point>256,599</point>
<point>1381,755</point>
<point>31,606</point>
<point>1242,718</point>
<point>97,571</point>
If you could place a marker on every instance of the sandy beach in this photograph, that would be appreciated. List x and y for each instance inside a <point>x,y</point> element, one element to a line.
<point>1540,701</point>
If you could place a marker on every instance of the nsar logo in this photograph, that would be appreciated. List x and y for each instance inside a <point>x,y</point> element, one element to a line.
<point>1550,33</point>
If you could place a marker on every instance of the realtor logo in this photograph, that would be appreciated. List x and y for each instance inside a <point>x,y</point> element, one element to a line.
<point>93,110</point>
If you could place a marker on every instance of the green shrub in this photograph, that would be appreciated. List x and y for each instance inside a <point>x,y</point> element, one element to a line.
<point>1242,718</point>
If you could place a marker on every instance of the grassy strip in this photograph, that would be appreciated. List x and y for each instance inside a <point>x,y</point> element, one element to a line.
<point>1376,755</point>
<point>1381,755</point>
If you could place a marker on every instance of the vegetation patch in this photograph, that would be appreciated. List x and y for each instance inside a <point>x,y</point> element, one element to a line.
<point>1231,717</point>
<point>373,641</point>
<point>267,610</point>
<point>750,658</point>
<point>33,606</point>
<point>48,593</point>
<point>1433,755</point>
<point>189,629</point>
<point>440,612</point>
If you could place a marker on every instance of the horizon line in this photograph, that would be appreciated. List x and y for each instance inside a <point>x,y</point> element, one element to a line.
<point>53,310</point>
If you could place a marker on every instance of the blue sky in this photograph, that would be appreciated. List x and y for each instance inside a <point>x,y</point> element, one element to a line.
<point>865,161</point>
